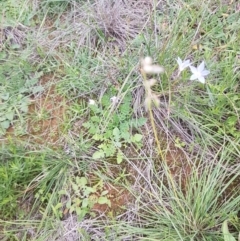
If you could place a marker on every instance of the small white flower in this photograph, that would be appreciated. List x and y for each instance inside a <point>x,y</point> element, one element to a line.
<point>92,102</point>
<point>199,73</point>
<point>183,64</point>
<point>114,99</point>
<point>147,61</point>
<point>150,68</point>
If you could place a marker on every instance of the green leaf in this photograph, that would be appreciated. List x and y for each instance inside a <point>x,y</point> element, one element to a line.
<point>105,192</point>
<point>89,190</point>
<point>116,133</point>
<point>2,118</point>
<point>82,182</point>
<point>85,202</point>
<point>24,107</point>
<point>118,144</point>
<point>5,96</point>
<point>98,154</point>
<point>119,157</point>
<point>5,124</point>
<point>68,204</point>
<point>139,122</point>
<point>59,205</point>
<point>87,125</point>
<point>10,115</point>
<point>227,236</point>
<point>137,138</point>
<point>126,136</point>
<point>37,89</point>
<point>75,187</point>
<point>97,137</point>
<point>62,192</point>
<point>95,119</point>
<point>104,200</point>
<point>109,149</point>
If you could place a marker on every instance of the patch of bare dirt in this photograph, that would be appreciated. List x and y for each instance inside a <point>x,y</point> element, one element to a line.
<point>45,115</point>
<point>119,198</point>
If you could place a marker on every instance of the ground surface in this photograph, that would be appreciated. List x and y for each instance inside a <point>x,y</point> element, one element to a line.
<point>99,144</point>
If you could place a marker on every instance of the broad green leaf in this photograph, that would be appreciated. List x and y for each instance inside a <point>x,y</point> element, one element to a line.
<point>119,157</point>
<point>109,150</point>
<point>82,182</point>
<point>10,115</point>
<point>37,89</point>
<point>24,107</point>
<point>89,190</point>
<point>75,187</point>
<point>76,201</point>
<point>98,154</point>
<point>126,136</point>
<point>85,202</point>
<point>97,137</point>
<point>87,125</point>
<point>68,204</point>
<point>78,211</point>
<point>118,144</point>
<point>227,236</point>
<point>2,118</point>
<point>62,192</point>
<point>5,124</point>
<point>137,138</point>
<point>104,192</point>
<point>116,133</point>
<point>4,96</point>
<point>59,205</point>
<point>95,119</point>
<point>104,200</point>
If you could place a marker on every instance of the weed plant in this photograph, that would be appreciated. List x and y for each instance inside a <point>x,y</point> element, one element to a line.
<point>169,122</point>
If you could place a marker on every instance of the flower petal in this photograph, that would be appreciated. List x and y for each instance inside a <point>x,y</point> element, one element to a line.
<point>114,99</point>
<point>205,72</point>
<point>156,69</point>
<point>179,61</point>
<point>200,68</point>
<point>193,77</point>
<point>151,82</point>
<point>147,61</point>
<point>201,79</point>
<point>91,102</point>
<point>193,70</point>
<point>147,69</point>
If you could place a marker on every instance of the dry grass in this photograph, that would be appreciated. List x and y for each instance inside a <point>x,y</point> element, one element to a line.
<point>103,22</point>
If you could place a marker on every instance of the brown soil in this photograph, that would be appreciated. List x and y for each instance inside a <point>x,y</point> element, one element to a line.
<point>119,198</point>
<point>45,116</point>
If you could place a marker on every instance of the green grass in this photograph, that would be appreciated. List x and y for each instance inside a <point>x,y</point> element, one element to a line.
<point>175,163</point>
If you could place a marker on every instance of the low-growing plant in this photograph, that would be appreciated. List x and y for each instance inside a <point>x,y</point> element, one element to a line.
<point>112,126</point>
<point>17,83</point>
<point>17,169</point>
<point>81,196</point>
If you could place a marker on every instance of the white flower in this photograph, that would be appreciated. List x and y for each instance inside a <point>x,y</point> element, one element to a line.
<point>183,64</point>
<point>147,61</point>
<point>150,68</point>
<point>114,99</point>
<point>199,73</point>
<point>92,102</point>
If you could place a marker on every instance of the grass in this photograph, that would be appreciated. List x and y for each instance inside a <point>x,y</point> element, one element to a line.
<point>159,161</point>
